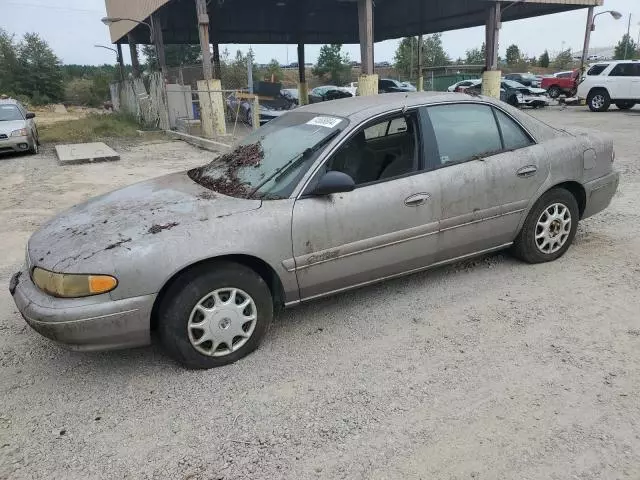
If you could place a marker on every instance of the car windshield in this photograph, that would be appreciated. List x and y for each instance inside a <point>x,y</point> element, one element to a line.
<point>269,162</point>
<point>9,112</point>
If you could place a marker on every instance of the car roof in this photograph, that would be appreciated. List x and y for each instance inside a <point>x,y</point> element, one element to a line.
<point>608,62</point>
<point>359,108</point>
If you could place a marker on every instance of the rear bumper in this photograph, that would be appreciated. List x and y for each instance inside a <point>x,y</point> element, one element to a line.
<point>599,193</point>
<point>84,324</point>
<point>16,144</point>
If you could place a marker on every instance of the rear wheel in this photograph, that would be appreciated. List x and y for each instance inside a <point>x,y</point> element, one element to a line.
<point>554,91</point>
<point>598,100</point>
<point>549,228</point>
<point>625,105</point>
<point>213,315</point>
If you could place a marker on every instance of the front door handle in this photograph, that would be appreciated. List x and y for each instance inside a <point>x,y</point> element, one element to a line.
<point>527,171</point>
<point>417,199</point>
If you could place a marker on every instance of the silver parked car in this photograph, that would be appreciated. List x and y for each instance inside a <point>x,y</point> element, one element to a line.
<point>326,198</point>
<point>18,131</point>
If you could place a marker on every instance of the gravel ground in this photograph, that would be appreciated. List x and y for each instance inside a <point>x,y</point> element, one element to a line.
<point>488,369</point>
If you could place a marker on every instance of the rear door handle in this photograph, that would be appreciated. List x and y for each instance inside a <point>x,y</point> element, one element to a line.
<point>527,171</point>
<point>416,199</point>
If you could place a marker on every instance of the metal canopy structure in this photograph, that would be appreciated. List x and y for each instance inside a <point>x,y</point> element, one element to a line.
<point>314,21</point>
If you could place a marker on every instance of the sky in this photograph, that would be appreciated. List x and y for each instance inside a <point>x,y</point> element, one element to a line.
<point>73,27</point>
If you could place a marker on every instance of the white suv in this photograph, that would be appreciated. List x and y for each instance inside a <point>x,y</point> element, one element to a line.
<point>616,82</point>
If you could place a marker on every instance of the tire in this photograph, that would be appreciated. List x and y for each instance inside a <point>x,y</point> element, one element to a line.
<point>554,91</point>
<point>625,105</point>
<point>513,101</point>
<point>34,149</point>
<point>598,100</point>
<point>532,248</point>
<point>178,316</point>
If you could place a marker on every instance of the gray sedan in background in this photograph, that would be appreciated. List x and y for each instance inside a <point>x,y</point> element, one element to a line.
<point>18,131</point>
<point>323,199</point>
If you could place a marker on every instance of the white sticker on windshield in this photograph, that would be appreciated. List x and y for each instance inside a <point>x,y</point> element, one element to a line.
<point>328,122</point>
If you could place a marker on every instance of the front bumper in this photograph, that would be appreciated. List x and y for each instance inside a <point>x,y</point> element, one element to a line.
<point>90,323</point>
<point>599,193</point>
<point>16,144</point>
<point>534,101</point>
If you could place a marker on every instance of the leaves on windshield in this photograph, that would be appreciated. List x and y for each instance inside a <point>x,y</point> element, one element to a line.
<point>228,183</point>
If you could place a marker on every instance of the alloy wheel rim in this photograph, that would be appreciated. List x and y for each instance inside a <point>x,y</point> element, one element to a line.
<point>553,228</point>
<point>222,322</point>
<point>597,101</point>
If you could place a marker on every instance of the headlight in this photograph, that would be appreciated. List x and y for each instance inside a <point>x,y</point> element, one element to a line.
<point>20,133</point>
<point>71,285</point>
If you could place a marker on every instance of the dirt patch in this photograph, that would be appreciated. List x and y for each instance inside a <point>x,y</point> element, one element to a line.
<point>117,244</point>
<point>155,228</point>
<point>226,180</point>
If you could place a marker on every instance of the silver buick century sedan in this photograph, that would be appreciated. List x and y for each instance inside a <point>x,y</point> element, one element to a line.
<point>326,198</point>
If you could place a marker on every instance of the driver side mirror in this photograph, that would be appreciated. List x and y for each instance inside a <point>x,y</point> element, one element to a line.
<point>30,115</point>
<point>334,182</point>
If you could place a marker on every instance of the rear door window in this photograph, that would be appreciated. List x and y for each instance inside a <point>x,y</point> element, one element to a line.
<point>464,132</point>
<point>623,70</point>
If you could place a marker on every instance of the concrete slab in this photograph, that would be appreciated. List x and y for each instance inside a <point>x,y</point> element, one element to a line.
<point>85,153</point>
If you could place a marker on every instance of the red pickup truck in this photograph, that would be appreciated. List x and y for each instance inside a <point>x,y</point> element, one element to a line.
<point>561,82</point>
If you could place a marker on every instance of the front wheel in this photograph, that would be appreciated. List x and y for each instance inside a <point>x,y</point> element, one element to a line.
<point>34,148</point>
<point>549,228</point>
<point>214,314</point>
<point>554,92</point>
<point>598,101</point>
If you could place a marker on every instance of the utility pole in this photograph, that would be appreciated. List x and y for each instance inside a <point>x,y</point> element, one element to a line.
<point>587,39</point>
<point>626,45</point>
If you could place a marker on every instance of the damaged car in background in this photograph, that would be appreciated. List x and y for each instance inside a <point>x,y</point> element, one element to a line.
<point>240,106</point>
<point>323,199</point>
<point>515,94</point>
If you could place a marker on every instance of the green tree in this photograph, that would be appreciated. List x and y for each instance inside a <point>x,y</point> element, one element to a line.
<point>234,70</point>
<point>626,46</point>
<point>476,56</point>
<point>563,60</point>
<point>433,54</point>
<point>8,63</point>
<point>544,59</point>
<point>513,55</point>
<point>39,70</point>
<point>332,63</point>
<point>174,55</point>
<point>273,70</point>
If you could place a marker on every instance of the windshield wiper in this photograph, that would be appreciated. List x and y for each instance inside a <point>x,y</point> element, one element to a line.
<point>282,172</point>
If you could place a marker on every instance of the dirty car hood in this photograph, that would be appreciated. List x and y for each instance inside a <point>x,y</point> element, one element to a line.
<point>84,238</point>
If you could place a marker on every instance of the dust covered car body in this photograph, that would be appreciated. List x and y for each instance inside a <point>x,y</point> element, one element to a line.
<point>326,198</point>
